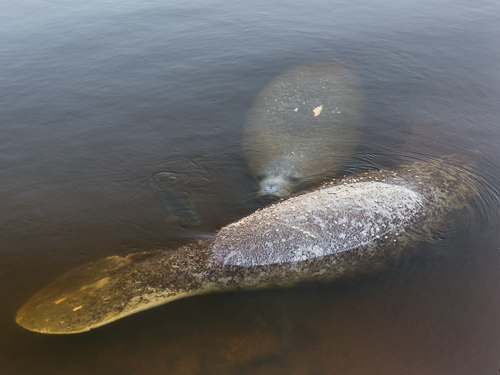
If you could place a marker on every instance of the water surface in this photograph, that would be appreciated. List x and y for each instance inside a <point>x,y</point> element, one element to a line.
<point>98,98</point>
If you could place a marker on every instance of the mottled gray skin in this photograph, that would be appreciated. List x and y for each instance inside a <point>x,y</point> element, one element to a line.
<point>346,228</point>
<point>302,127</point>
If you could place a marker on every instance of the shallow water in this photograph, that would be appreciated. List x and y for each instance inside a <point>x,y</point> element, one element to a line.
<point>98,98</point>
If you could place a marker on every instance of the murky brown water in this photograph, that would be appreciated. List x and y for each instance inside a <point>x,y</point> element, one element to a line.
<point>99,97</point>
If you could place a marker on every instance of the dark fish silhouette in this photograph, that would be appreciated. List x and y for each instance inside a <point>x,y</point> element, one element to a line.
<point>178,208</point>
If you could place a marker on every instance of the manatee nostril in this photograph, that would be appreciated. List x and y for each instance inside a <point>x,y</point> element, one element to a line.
<point>270,188</point>
<point>274,189</point>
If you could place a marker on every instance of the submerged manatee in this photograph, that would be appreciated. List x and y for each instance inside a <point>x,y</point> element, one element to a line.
<point>303,126</point>
<point>345,228</point>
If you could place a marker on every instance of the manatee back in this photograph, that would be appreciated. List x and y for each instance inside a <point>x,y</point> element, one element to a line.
<point>312,112</point>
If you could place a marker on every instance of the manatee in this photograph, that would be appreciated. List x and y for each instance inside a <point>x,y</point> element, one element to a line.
<point>302,127</point>
<point>345,228</point>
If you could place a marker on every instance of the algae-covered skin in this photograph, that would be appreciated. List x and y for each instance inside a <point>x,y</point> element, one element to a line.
<point>302,127</point>
<point>345,228</point>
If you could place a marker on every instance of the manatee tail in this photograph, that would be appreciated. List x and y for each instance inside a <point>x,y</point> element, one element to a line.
<point>112,288</point>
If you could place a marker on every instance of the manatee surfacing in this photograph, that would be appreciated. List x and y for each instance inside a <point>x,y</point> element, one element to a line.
<point>329,221</point>
<point>280,177</point>
<point>342,229</point>
<point>302,127</point>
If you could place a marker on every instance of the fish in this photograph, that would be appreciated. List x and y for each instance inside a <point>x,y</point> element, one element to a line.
<point>176,206</point>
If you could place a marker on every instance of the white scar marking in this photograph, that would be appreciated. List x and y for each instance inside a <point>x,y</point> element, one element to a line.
<point>317,110</point>
<point>334,220</point>
<point>304,231</point>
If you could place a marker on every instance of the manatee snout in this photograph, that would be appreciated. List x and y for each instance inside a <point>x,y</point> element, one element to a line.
<point>275,187</point>
<point>279,178</point>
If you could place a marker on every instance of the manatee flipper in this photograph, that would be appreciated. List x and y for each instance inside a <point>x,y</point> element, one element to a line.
<point>350,227</point>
